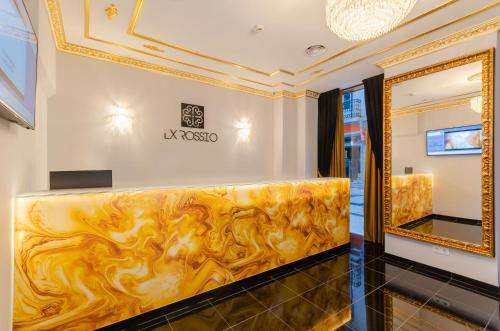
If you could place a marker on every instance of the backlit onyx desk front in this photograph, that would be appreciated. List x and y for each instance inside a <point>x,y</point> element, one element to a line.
<point>87,260</point>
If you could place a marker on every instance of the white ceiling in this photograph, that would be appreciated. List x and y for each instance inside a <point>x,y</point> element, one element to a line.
<point>438,86</point>
<point>214,38</point>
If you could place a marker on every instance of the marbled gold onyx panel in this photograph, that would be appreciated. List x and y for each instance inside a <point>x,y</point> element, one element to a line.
<point>411,198</point>
<point>83,261</point>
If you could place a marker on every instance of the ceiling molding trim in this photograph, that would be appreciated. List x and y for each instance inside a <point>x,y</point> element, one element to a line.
<point>402,42</point>
<point>439,44</point>
<point>278,84</point>
<point>362,43</point>
<point>87,35</point>
<point>140,4</point>
<point>131,31</point>
<point>312,94</point>
<point>440,105</point>
<point>62,45</point>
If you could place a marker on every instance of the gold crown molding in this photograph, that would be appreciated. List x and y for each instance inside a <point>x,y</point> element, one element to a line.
<point>140,4</point>
<point>487,247</point>
<point>55,15</point>
<point>390,47</point>
<point>87,35</point>
<point>297,95</point>
<point>275,85</point>
<point>312,94</point>
<point>58,31</point>
<point>436,45</point>
<point>440,105</point>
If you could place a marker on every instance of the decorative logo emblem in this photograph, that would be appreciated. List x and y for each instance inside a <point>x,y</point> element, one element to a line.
<point>192,116</point>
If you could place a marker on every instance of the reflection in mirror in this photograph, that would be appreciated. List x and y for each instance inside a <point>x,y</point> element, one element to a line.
<point>436,153</point>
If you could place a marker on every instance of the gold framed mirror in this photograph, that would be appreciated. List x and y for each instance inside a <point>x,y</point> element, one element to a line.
<point>438,154</point>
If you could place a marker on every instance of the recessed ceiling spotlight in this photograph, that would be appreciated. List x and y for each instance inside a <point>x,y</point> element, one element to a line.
<point>315,50</point>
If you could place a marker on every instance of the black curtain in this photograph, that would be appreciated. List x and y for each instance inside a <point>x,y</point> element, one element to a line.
<point>374,91</point>
<point>327,120</point>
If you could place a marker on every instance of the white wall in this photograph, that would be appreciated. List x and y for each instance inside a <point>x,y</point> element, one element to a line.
<point>79,138</point>
<point>295,138</point>
<point>307,137</point>
<point>485,269</point>
<point>456,179</point>
<point>23,165</point>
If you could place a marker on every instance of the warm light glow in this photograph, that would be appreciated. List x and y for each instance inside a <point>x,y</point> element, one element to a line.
<point>121,120</point>
<point>365,19</point>
<point>244,128</point>
<point>476,104</point>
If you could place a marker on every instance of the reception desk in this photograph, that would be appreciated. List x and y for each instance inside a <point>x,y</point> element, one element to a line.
<point>84,260</point>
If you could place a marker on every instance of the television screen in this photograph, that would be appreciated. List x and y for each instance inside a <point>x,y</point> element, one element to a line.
<point>18,61</point>
<point>455,141</point>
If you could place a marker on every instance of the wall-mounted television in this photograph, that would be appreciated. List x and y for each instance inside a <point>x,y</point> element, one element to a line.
<point>18,64</point>
<point>455,141</point>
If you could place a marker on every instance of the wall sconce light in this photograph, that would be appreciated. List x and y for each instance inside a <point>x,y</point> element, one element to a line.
<point>476,104</point>
<point>121,120</point>
<point>244,127</point>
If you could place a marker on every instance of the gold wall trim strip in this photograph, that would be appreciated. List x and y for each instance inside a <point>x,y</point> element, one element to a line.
<point>446,104</point>
<point>439,44</point>
<point>140,5</point>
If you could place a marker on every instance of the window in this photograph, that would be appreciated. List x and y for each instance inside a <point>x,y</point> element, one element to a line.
<point>353,105</point>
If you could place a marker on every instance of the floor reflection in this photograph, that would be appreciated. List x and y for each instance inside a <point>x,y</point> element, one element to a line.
<point>358,290</point>
<point>447,228</point>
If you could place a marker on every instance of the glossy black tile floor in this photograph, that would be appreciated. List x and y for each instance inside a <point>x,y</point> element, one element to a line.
<point>360,289</point>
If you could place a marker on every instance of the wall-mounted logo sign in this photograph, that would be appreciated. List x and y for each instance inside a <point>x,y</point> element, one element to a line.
<point>189,135</point>
<point>192,116</point>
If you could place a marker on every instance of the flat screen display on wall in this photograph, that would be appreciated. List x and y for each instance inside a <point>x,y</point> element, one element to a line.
<point>18,62</point>
<point>455,141</point>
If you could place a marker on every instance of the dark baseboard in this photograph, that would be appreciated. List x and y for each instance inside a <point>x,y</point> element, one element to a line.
<point>452,219</point>
<point>199,302</point>
<point>454,279</point>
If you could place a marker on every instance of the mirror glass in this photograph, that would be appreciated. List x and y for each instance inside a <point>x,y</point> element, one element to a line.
<point>436,161</point>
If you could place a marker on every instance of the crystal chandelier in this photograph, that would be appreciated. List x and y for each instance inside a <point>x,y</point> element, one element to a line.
<point>476,104</point>
<point>365,19</point>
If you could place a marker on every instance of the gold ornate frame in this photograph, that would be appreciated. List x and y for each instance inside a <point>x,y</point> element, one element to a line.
<point>487,246</point>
